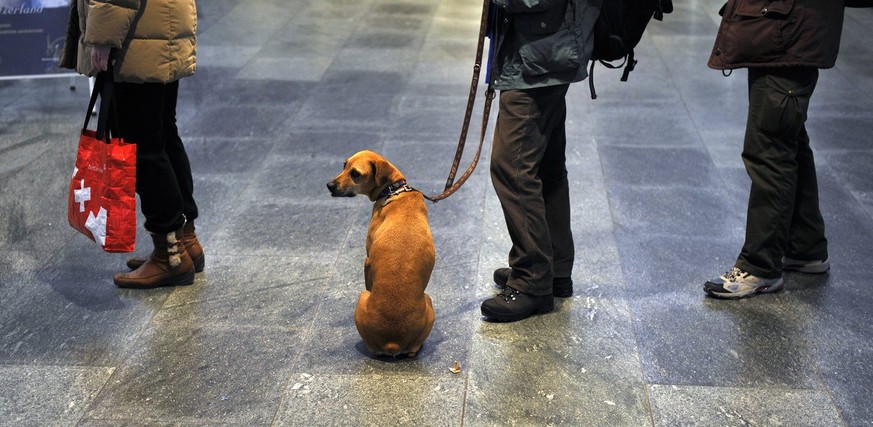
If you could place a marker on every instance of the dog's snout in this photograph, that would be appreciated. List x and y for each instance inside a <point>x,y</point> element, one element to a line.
<point>333,187</point>
<point>338,191</point>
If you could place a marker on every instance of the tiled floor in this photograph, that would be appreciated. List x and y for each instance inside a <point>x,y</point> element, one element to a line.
<point>284,92</point>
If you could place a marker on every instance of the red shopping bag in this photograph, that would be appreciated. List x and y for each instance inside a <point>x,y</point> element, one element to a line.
<point>101,203</point>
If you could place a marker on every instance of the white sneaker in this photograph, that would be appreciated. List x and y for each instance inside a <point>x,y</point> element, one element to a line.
<point>737,283</point>
<point>817,266</point>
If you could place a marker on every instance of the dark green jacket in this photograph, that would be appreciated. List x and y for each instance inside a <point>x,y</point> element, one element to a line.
<point>542,42</point>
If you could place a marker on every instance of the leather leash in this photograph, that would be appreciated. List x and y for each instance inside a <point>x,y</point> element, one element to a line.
<point>451,185</point>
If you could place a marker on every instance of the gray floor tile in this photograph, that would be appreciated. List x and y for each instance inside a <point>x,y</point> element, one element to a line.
<point>373,113</point>
<point>279,228</point>
<point>70,313</point>
<point>431,72</point>
<point>647,166</point>
<point>240,122</point>
<point>693,212</point>
<point>235,25</point>
<point>850,168</point>
<point>534,373</point>
<point>833,131</point>
<point>331,145</point>
<point>842,345</point>
<point>301,68</point>
<point>866,200</point>
<point>23,392</point>
<point>848,375</point>
<point>205,373</point>
<point>16,271</point>
<point>642,123</point>
<point>226,56</point>
<point>340,400</point>
<point>848,224</point>
<point>238,290</point>
<point>383,39</point>
<point>443,119</point>
<point>325,35</point>
<point>227,155</point>
<point>33,211</point>
<point>723,406</point>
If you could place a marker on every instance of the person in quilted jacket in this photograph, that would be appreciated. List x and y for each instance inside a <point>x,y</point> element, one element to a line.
<point>148,46</point>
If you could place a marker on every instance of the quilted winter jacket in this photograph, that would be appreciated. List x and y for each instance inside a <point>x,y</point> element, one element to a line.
<point>778,33</point>
<point>152,41</point>
<point>542,42</point>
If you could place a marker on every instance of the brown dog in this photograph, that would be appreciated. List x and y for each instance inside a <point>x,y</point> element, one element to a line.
<point>394,316</point>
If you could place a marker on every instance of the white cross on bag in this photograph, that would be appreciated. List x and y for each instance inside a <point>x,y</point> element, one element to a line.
<point>83,195</point>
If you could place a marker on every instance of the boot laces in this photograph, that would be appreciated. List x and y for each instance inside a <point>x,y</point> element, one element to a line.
<point>508,294</point>
<point>734,274</point>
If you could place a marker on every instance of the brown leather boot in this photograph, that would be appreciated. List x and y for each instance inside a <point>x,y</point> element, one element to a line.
<point>192,245</point>
<point>168,265</point>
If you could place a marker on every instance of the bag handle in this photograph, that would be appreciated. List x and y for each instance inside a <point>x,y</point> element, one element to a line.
<point>103,88</point>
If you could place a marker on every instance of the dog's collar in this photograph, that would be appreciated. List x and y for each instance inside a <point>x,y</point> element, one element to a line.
<point>394,189</point>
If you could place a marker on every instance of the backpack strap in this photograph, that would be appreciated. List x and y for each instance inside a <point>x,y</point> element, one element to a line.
<point>591,80</point>
<point>630,64</point>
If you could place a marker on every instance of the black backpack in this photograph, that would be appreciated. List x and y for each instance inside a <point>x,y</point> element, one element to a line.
<point>618,30</point>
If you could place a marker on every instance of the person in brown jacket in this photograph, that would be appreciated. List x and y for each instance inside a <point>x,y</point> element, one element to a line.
<point>783,43</point>
<point>147,45</point>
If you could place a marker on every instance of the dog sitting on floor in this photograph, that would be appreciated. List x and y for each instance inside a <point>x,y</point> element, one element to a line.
<point>394,315</point>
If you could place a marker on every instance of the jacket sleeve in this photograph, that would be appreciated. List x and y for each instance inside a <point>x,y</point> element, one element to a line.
<point>109,21</point>
<point>525,6</point>
<point>71,44</point>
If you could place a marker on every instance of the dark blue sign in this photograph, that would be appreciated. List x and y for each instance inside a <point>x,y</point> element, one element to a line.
<point>32,35</point>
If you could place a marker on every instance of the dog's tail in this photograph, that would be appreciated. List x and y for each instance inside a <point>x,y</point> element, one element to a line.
<point>391,349</point>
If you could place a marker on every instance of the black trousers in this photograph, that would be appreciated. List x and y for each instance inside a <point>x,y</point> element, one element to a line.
<point>145,114</point>
<point>783,218</point>
<point>529,173</point>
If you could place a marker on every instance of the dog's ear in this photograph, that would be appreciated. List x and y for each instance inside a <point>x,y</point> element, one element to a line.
<point>380,173</point>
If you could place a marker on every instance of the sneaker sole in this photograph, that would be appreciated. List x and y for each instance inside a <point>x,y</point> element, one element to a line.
<point>815,269</point>
<point>738,295</point>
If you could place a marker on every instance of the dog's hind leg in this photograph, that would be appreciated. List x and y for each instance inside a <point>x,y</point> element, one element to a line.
<point>361,322</point>
<point>428,326</point>
<point>368,279</point>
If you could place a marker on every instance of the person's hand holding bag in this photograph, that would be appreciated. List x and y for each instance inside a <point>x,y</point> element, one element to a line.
<point>100,58</point>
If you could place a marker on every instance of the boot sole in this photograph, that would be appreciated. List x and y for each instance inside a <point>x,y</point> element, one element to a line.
<point>543,309</point>
<point>199,264</point>
<point>184,280</point>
